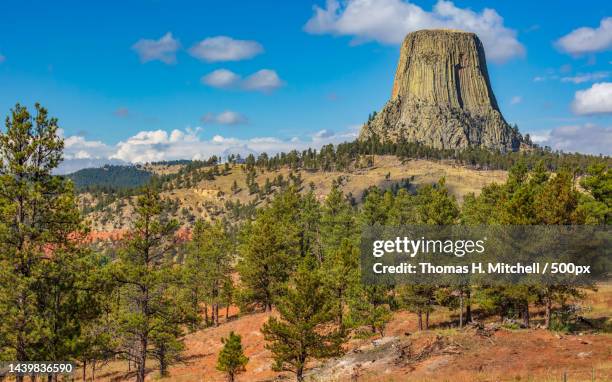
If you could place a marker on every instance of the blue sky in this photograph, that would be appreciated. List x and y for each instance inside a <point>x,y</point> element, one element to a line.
<point>132,80</point>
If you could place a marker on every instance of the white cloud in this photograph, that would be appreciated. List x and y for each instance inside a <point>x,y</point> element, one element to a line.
<point>227,117</point>
<point>264,80</point>
<point>595,100</point>
<point>388,21</point>
<point>325,133</point>
<point>223,48</point>
<point>163,49</point>
<point>516,100</point>
<point>587,138</point>
<point>157,145</point>
<point>588,40</point>
<point>77,147</point>
<point>586,77</point>
<point>221,78</point>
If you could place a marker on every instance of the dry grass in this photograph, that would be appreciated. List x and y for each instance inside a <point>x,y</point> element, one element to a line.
<point>207,198</point>
<point>517,355</point>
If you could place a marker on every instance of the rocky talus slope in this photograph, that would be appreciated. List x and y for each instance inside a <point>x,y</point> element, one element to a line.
<point>442,96</point>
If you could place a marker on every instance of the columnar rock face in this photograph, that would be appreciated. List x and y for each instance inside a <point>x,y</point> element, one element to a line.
<point>442,96</point>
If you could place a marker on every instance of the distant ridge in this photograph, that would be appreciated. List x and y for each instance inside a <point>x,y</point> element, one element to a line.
<point>110,176</point>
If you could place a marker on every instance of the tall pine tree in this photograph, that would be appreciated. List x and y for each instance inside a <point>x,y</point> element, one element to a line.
<point>45,290</point>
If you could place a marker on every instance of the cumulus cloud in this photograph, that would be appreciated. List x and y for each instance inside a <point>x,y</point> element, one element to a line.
<point>223,48</point>
<point>77,147</point>
<point>588,40</point>
<point>586,77</point>
<point>221,78</point>
<point>264,80</point>
<point>163,49</point>
<point>595,100</point>
<point>227,117</point>
<point>155,145</point>
<point>388,21</point>
<point>158,145</point>
<point>587,138</point>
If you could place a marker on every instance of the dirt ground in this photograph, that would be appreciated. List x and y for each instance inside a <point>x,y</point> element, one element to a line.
<point>445,353</point>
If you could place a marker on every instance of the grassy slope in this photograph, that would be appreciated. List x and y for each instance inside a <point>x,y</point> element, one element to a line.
<point>459,180</point>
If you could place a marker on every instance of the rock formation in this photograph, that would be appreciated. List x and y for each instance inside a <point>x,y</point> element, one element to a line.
<point>442,96</point>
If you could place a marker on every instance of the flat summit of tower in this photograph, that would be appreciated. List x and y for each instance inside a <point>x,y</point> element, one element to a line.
<point>442,96</point>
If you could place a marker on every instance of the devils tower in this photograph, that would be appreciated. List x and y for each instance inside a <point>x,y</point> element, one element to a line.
<point>442,96</point>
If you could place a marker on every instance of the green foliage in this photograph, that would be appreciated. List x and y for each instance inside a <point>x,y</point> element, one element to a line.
<point>208,266</point>
<point>369,307</point>
<point>231,359</point>
<point>340,275</point>
<point>419,299</point>
<point>110,177</point>
<point>598,182</point>
<point>46,290</point>
<point>530,198</point>
<point>305,329</point>
<point>149,314</point>
<point>337,219</point>
<point>269,249</point>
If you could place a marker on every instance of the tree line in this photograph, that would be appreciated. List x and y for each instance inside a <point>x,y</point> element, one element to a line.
<point>63,299</point>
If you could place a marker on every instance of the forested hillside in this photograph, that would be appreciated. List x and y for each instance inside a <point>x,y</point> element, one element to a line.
<point>291,255</point>
<point>110,178</point>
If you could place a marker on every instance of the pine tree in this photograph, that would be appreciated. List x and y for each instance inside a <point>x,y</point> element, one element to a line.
<point>340,275</point>
<point>337,220</point>
<point>310,232</point>
<point>235,188</point>
<point>369,307</point>
<point>209,265</point>
<point>435,206</point>
<point>232,360</point>
<point>149,312</point>
<point>597,207</point>
<point>270,248</point>
<point>306,327</point>
<point>45,290</point>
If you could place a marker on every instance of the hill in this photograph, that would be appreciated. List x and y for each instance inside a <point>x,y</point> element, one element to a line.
<point>229,194</point>
<point>110,177</point>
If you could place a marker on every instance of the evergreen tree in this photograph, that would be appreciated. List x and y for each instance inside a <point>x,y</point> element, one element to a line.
<point>337,219</point>
<point>310,220</point>
<point>435,206</point>
<point>340,275</point>
<point>598,182</point>
<point>418,299</point>
<point>209,265</point>
<point>369,306</point>
<point>148,312</point>
<point>306,327</point>
<point>45,292</point>
<point>270,248</point>
<point>232,360</point>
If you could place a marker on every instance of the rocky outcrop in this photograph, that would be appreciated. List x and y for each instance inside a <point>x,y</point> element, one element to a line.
<point>442,96</point>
